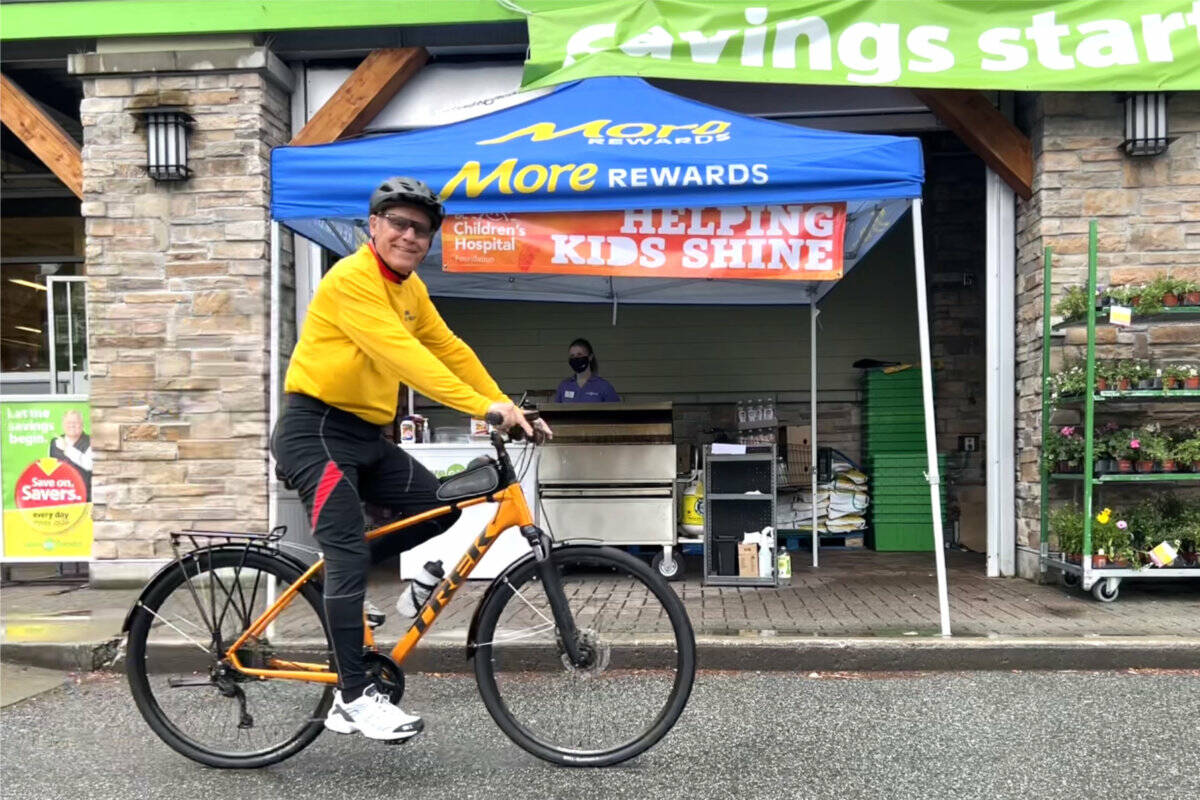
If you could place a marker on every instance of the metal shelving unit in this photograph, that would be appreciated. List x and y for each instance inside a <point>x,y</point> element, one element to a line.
<point>739,498</point>
<point>1102,582</point>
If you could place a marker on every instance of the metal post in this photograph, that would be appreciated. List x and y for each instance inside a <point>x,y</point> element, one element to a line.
<point>1089,408</point>
<point>1000,452</point>
<point>51,337</point>
<point>812,432</point>
<point>935,499</point>
<point>1043,468</point>
<point>274,398</point>
<point>70,341</point>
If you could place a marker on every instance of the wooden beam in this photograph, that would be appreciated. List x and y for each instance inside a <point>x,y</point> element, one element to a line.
<point>363,95</point>
<point>38,131</point>
<point>987,132</point>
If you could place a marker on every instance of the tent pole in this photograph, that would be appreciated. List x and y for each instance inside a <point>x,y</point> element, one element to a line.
<point>812,416</point>
<point>273,397</point>
<point>273,373</point>
<point>935,497</point>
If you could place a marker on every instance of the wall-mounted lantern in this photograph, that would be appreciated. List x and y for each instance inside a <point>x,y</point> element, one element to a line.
<point>167,142</point>
<point>1145,124</point>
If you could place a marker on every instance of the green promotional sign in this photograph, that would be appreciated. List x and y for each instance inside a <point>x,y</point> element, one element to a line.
<point>1079,45</point>
<point>46,463</point>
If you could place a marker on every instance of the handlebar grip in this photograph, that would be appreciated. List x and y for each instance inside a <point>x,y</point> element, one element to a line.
<point>493,418</point>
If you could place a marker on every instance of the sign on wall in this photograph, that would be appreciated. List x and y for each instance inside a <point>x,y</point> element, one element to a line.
<point>800,242</point>
<point>46,463</point>
<point>1022,45</point>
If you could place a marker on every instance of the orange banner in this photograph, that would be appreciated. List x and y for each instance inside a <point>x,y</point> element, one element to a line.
<point>774,242</point>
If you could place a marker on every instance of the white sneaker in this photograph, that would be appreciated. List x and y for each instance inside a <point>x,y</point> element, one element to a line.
<point>372,715</point>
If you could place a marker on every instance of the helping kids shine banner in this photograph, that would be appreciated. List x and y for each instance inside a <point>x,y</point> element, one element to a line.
<point>779,242</point>
<point>46,460</point>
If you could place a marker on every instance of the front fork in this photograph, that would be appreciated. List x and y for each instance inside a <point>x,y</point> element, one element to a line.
<point>552,583</point>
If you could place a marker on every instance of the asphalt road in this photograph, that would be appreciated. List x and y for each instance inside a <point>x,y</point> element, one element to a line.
<point>744,735</point>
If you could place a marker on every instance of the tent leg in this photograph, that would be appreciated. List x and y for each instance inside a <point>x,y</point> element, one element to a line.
<point>939,549</point>
<point>273,397</point>
<point>812,416</point>
<point>273,373</point>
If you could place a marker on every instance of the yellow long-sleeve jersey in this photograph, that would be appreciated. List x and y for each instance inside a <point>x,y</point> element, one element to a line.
<point>366,332</point>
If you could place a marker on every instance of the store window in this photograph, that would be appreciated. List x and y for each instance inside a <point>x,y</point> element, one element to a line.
<point>43,326</point>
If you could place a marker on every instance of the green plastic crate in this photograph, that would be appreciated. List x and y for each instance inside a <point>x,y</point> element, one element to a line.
<point>902,536</point>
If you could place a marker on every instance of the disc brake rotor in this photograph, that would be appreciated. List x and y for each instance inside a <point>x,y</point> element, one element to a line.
<point>596,654</point>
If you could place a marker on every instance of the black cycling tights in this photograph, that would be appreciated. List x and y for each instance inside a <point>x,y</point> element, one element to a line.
<point>337,461</point>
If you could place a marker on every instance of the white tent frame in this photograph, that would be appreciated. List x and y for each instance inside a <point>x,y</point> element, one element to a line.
<point>932,475</point>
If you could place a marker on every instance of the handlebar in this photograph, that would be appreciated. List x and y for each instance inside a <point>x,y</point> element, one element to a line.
<point>516,433</point>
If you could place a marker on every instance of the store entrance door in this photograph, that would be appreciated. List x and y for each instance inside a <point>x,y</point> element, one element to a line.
<point>66,312</point>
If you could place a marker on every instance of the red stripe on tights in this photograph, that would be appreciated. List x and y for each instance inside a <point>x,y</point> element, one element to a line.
<point>329,481</point>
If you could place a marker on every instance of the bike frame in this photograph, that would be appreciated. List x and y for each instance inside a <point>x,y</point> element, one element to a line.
<point>512,511</point>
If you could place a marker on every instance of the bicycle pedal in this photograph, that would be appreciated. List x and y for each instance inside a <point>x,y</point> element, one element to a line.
<point>372,615</point>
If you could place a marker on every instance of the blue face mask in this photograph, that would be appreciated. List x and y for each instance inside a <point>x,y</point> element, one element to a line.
<point>579,363</point>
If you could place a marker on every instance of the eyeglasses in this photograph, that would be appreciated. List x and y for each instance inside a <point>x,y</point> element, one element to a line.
<point>403,225</point>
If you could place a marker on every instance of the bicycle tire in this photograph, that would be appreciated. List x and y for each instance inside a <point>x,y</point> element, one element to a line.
<point>601,566</point>
<point>175,580</point>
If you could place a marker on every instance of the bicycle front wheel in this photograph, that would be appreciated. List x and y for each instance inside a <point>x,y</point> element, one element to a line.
<point>191,698</point>
<point>639,648</point>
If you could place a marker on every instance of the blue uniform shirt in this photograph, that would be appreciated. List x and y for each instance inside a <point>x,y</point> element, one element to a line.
<point>596,390</point>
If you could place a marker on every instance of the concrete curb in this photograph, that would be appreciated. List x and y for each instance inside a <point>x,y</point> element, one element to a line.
<point>769,654</point>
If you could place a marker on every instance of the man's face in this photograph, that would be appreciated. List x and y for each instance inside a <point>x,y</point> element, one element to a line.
<point>402,235</point>
<point>72,426</point>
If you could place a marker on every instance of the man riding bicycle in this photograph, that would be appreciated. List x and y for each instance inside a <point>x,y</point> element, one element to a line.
<point>370,328</point>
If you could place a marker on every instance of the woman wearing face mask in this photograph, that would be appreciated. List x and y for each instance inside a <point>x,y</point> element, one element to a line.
<point>585,386</point>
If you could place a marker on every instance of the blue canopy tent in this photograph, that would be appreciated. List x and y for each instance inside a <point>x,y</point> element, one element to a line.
<point>620,143</point>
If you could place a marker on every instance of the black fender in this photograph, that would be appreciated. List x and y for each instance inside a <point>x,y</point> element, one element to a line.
<point>174,564</point>
<point>498,584</point>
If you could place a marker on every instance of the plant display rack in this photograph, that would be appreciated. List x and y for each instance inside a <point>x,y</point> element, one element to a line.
<point>1104,583</point>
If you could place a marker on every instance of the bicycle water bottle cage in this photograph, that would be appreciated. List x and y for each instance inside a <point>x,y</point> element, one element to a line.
<point>480,477</point>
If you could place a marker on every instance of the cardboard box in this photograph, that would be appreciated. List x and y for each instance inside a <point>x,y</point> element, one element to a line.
<point>748,560</point>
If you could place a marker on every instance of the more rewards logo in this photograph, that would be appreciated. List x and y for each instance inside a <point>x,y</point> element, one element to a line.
<point>511,176</point>
<point>609,132</point>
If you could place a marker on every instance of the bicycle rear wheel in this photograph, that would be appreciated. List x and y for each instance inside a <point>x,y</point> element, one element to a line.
<point>640,649</point>
<point>195,702</point>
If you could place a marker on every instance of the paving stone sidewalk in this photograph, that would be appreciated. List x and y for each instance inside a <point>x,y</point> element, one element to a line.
<point>852,594</point>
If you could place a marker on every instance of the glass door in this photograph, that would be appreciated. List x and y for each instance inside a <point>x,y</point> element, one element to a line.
<point>66,307</point>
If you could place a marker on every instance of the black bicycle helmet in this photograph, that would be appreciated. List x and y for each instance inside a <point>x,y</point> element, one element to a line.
<point>399,189</point>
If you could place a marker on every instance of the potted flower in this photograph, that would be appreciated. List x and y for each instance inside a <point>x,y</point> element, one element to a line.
<point>1111,540</point>
<point>1124,446</point>
<point>1191,293</point>
<point>1154,450</point>
<point>1066,527</point>
<point>1149,450</point>
<point>1104,375</point>
<point>1146,378</point>
<point>1174,375</point>
<point>1188,451</point>
<point>1070,381</point>
<point>1166,290</point>
<point>1191,378</point>
<point>1073,305</point>
<point>1124,295</point>
<point>1065,449</point>
<point>1102,463</point>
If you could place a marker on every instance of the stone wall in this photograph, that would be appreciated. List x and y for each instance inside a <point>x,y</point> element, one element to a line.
<point>1148,213</point>
<point>178,300</point>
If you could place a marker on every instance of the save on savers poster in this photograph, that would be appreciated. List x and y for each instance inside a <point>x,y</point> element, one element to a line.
<point>46,455</point>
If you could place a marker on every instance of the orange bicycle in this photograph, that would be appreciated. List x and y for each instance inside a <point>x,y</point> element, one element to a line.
<point>583,655</point>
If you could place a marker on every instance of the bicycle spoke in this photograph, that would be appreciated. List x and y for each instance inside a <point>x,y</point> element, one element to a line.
<point>631,681</point>
<point>224,717</point>
<point>167,622</point>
